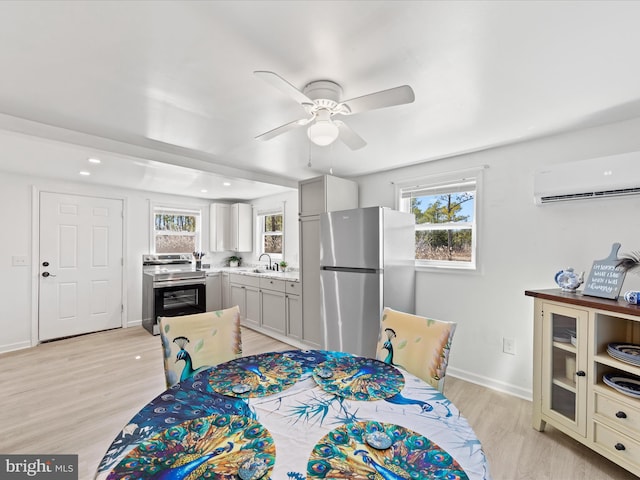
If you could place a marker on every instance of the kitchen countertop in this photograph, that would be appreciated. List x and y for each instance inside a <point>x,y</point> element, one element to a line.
<point>293,276</point>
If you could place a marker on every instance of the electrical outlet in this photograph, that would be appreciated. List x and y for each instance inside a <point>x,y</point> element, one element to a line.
<point>509,345</point>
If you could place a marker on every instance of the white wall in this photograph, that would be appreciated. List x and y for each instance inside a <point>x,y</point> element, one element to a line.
<point>289,202</point>
<point>521,247</point>
<point>16,240</point>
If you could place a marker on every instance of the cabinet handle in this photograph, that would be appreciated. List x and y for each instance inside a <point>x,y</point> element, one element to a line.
<point>619,447</point>
<point>581,373</point>
<point>621,414</point>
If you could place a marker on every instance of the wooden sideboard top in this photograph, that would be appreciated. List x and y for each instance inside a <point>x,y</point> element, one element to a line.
<point>557,295</point>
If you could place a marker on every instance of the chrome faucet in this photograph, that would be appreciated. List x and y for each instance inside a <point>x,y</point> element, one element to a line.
<point>268,256</point>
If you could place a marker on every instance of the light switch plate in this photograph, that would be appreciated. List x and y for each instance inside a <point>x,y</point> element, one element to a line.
<point>19,260</point>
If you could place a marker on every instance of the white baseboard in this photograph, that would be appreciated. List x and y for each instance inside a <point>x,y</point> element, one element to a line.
<point>14,346</point>
<point>134,323</point>
<point>524,393</point>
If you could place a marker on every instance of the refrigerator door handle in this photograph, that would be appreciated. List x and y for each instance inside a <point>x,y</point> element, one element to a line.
<point>352,270</point>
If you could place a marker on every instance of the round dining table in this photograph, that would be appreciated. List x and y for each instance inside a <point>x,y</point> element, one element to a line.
<point>298,414</point>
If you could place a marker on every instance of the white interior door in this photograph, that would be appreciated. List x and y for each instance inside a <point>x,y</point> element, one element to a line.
<point>80,264</point>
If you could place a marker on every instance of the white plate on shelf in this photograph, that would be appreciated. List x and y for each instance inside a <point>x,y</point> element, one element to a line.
<point>563,335</point>
<point>626,385</point>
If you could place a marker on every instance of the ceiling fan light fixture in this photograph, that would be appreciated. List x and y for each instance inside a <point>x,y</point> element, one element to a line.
<point>323,132</point>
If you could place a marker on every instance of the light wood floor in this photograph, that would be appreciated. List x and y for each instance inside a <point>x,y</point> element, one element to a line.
<point>74,396</point>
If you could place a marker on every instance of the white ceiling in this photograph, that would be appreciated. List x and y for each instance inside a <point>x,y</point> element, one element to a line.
<point>164,92</point>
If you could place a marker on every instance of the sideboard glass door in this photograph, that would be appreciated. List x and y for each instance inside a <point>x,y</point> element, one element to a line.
<point>565,365</point>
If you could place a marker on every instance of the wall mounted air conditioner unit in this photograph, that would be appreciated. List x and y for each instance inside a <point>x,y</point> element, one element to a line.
<point>602,177</point>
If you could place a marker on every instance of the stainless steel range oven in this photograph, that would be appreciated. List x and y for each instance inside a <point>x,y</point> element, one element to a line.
<point>171,286</point>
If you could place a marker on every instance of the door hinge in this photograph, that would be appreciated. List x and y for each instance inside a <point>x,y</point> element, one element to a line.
<point>121,308</point>
<point>122,261</point>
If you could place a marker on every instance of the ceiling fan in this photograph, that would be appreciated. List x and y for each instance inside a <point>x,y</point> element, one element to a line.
<point>321,100</point>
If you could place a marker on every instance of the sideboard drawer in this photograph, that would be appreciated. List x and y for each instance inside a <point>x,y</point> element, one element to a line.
<point>618,413</point>
<point>617,444</point>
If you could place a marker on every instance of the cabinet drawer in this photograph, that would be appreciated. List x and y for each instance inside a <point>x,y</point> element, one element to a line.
<point>244,279</point>
<point>272,284</point>
<point>293,287</point>
<point>618,413</point>
<point>628,448</point>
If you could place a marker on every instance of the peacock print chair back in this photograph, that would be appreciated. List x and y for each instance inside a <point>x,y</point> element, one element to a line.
<point>192,343</point>
<point>417,344</point>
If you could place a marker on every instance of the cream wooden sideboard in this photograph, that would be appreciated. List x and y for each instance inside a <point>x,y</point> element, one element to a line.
<point>571,334</point>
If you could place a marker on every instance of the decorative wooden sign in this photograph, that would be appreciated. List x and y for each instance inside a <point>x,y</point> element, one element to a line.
<point>605,279</point>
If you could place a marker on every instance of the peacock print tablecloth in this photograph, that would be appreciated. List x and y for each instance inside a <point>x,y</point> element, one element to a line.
<point>309,414</point>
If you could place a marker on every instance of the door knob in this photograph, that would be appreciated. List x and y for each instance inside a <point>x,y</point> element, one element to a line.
<point>47,274</point>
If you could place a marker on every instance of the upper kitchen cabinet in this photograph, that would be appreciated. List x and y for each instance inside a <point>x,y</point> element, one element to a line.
<point>219,238</point>
<point>231,227</point>
<point>240,226</point>
<point>325,194</point>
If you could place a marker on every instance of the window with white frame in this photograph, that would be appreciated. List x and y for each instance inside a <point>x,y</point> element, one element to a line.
<point>271,228</point>
<point>176,230</point>
<point>445,210</point>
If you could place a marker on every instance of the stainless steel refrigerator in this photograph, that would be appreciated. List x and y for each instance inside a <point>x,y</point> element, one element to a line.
<point>367,260</point>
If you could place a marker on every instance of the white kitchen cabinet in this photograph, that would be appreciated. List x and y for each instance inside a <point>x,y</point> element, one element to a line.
<point>241,227</point>
<point>269,305</point>
<point>315,196</point>
<point>214,291</point>
<point>326,193</point>
<point>245,292</point>
<point>310,278</point>
<point>219,233</point>
<point>571,335</point>
<point>273,305</point>
<point>293,310</point>
<point>225,290</point>
<point>231,227</point>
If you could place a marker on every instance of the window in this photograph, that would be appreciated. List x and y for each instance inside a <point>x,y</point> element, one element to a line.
<point>445,211</point>
<point>271,239</point>
<point>176,230</point>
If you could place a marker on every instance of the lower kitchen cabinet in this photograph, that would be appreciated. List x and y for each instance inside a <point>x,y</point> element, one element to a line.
<point>214,292</point>
<point>269,305</point>
<point>572,333</point>
<point>244,291</point>
<point>225,290</point>
<point>294,311</point>
<point>273,305</point>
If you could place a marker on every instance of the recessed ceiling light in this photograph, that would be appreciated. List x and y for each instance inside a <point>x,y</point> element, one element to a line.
<point>94,160</point>
<point>85,173</point>
<point>226,184</point>
<point>204,190</point>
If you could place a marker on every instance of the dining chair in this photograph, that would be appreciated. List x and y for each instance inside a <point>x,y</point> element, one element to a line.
<point>192,343</point>
<point>417,344</point>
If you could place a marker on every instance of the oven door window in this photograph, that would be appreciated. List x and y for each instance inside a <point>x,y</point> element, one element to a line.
<point>179,300</point>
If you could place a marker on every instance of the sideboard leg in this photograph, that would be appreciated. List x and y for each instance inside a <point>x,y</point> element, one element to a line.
<point>538,424</point>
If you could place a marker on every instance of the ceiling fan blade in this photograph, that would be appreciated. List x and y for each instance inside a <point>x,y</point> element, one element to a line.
<point>284,86</point>
<point>350,138</point>
<point>382,99</point>
<point>283,129</point>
